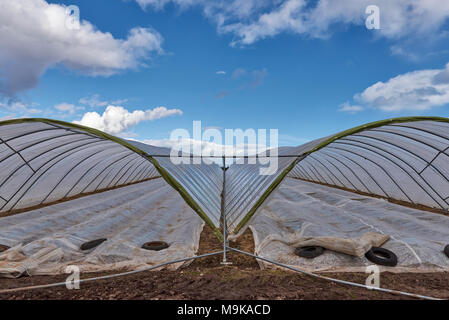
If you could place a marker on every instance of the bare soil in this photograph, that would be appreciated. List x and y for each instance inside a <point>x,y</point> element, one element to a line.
<point>207,279</point>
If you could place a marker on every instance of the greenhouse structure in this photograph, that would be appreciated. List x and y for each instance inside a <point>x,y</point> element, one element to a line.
<point>384,185</point>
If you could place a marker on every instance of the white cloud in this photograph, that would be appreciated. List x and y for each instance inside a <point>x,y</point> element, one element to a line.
<point>66,107</point>
<point>347,107</point>
<point>221,72</point>
<point>116,119</point>
<point>94,101</point>
<point>34,37</point>
<point>119,102</point>
<point>253,20</point>
<point>417,90</point>
<point>22,108</point>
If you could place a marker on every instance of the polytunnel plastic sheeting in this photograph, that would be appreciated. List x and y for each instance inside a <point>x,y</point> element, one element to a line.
<point>406,161</point>
<point>46,240</point>
<point>299,209</point>
<point>246,187</point>
<point>203,182</point>
<point>387,165</point>
<point>403,158</point>
<point>44,161</point>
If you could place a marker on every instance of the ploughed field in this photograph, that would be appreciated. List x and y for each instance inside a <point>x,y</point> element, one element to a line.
<point>206,278</point>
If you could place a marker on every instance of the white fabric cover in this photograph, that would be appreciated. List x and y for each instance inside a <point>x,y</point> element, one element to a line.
<point>46,240</point>
<point>302,209</point>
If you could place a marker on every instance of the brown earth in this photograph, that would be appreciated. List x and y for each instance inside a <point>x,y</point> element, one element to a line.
<point>207,279</point>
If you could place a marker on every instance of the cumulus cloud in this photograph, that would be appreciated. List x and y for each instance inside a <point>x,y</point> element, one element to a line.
<point>21,108</point>
<point>94,101</point>
<point>116,119</point>
<point>66,107</point>
<point>252,20</point>
<point>34,37</point>
<point>347,107</point>
<point>417,90</point>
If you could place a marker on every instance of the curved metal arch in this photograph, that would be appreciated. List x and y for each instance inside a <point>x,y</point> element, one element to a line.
<point>135,166</point>
<point>31,176</point>
<point>407,164</point>
<point>403,170</point>
<point>133,174</point>
<point>334,155</point>
<point>39,155</point>
<point>373,125</point>
<point>168,177</point>
<point>128,166</point>
<point>338,169</point>
<point>311,147</point>
<point>318,164</point>
<point>110,168</point>
<point>313,157</point>
<point>71,169</point>
<point>390,143</point>
<point>68,125</point>
<point>315,172</point>
<point>146,174</point>
<point>17,153</point>
<point>88,170</point>
<point>377,165</point>
<point>423,130</point>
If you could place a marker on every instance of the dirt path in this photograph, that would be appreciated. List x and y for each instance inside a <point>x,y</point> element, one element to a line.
<point>207,279</point>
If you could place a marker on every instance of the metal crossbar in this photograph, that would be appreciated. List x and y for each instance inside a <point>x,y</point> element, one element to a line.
<point>220,157</point>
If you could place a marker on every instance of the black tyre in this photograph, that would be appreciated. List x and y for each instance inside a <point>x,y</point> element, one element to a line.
<point>382,257</point>
<point>3,248</point>
<point>155,245</point>
<point>92,244</point>
<point>446,250</point>
<point>309,252</point>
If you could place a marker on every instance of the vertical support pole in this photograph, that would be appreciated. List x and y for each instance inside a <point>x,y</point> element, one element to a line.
<point>223,214</point>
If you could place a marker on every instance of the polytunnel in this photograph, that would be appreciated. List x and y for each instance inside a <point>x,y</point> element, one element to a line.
<point>62,185</point>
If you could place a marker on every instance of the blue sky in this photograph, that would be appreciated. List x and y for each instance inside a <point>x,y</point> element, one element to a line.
<point>309,77</point>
